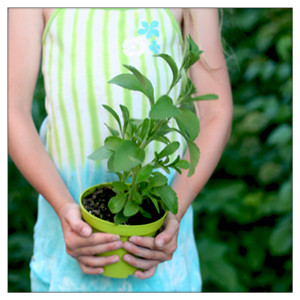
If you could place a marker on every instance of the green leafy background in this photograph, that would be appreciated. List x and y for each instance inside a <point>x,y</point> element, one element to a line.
<point>243,216</point>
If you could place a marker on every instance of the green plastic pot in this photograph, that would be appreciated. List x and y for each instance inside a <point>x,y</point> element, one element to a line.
<point>120,269</point>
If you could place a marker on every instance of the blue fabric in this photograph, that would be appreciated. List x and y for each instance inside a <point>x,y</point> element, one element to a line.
<point>37,285</point>
<point>56,269</point>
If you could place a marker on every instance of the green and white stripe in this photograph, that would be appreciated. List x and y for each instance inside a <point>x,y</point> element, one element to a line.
<point>83,50</point>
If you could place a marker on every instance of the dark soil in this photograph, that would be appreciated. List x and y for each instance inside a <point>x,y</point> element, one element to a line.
<point>97,205</point>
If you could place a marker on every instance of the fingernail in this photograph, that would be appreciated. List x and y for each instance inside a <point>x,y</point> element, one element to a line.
<point>132,239</point>
<point>101,271</point>
<point>116,237</point>
<point>115,258</point>
<point>86,231</point>
<point>127,246</point>
<point>119,245</point>
<point>126,258</point>
<point>159,243</point>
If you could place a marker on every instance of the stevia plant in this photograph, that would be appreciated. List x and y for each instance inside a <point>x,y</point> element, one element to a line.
<point>125,148</point>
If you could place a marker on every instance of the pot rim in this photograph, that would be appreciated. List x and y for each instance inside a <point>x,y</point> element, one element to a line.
<point>110,227</point>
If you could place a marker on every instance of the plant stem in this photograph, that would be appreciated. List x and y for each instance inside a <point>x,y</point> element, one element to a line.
<point>124,177</point>
<point>146,141</point>
<point>136,170</point>
<point>170,88</point>
<point>133,183</point>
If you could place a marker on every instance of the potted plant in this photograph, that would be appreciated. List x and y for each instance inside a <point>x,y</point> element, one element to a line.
<point>137,203</point>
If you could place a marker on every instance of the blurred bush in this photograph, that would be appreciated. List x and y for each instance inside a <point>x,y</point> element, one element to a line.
<point>243,216</point>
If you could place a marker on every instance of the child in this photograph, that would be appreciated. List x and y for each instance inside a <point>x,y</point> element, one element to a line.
<point>82,49</point>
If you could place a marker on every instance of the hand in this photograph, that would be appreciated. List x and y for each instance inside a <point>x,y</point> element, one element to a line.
<point>152,251</point>
<point>83,245</point>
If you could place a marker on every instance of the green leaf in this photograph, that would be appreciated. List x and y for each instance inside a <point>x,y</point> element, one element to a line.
<point>192,46</point>
<point>281,135</point>
<point>145,213</point>
<point>189,60</point>
<point>161,138</point>
<point>113,113</point>
<point>137,197</point>
<point>170,61</point>
<point>285,196</point>
<point>126,115</point>
<point>187,89</point>
<point>136,122</point>
<point>154,201</point>
<point>191,53</point>
<point>146,126</point>
<point>169,149</point>
<point>112,142</point>
<point>117,203</point>
<point>168,197</point>
<point>131,208</point>
<point>110,163</point>
<point>269,171</point>
<point>281,238</point>
<point>202,97</point>
<point>113,131</point>
<point>165,168</point>
<point>194,155</point>
<point>120,186</point>
<point>144,81</point>
<point>119,218</point>
<point>130,130</point>
<point>127,81</point>
<point>157,179</point>
<point>144,174</point>
<point>127,156</point>
<point>188,122</point>
<point>100,154</point>
<point>175,161</point>
<point>253,122</point>
<point>183,164</point>
<point>125,112</point>
<point>193,151</point>
<point>163,109</point>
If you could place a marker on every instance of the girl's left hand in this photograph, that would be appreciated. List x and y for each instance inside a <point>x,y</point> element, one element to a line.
<point>152,251</point>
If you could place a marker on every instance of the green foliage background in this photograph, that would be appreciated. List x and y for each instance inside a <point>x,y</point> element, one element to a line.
<point>243,216</point>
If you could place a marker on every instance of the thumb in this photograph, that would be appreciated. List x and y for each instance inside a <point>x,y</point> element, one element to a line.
<point>171,228</point>
<point>73,218</point>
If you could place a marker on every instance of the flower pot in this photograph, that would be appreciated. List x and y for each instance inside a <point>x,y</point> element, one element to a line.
<point>120,269</point>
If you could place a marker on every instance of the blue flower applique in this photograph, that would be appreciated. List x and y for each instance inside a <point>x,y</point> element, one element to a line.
<point>149,30</point>
<point>154,47</point>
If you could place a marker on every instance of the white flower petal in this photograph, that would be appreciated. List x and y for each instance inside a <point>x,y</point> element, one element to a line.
<point>135,46</point>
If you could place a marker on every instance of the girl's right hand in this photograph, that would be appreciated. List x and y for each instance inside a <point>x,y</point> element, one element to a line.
<point>83,245</point>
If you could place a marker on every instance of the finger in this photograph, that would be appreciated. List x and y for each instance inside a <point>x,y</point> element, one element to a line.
<point>145,274</point>
<point>170,232</point>
<point>73,218</point>
<point>97,261</point>
<point>98,249</point>
<point>99,238</point>
<point>146,242</point>
<point>145,252</point>
<point>139,262</point>
<point>89,270</point>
